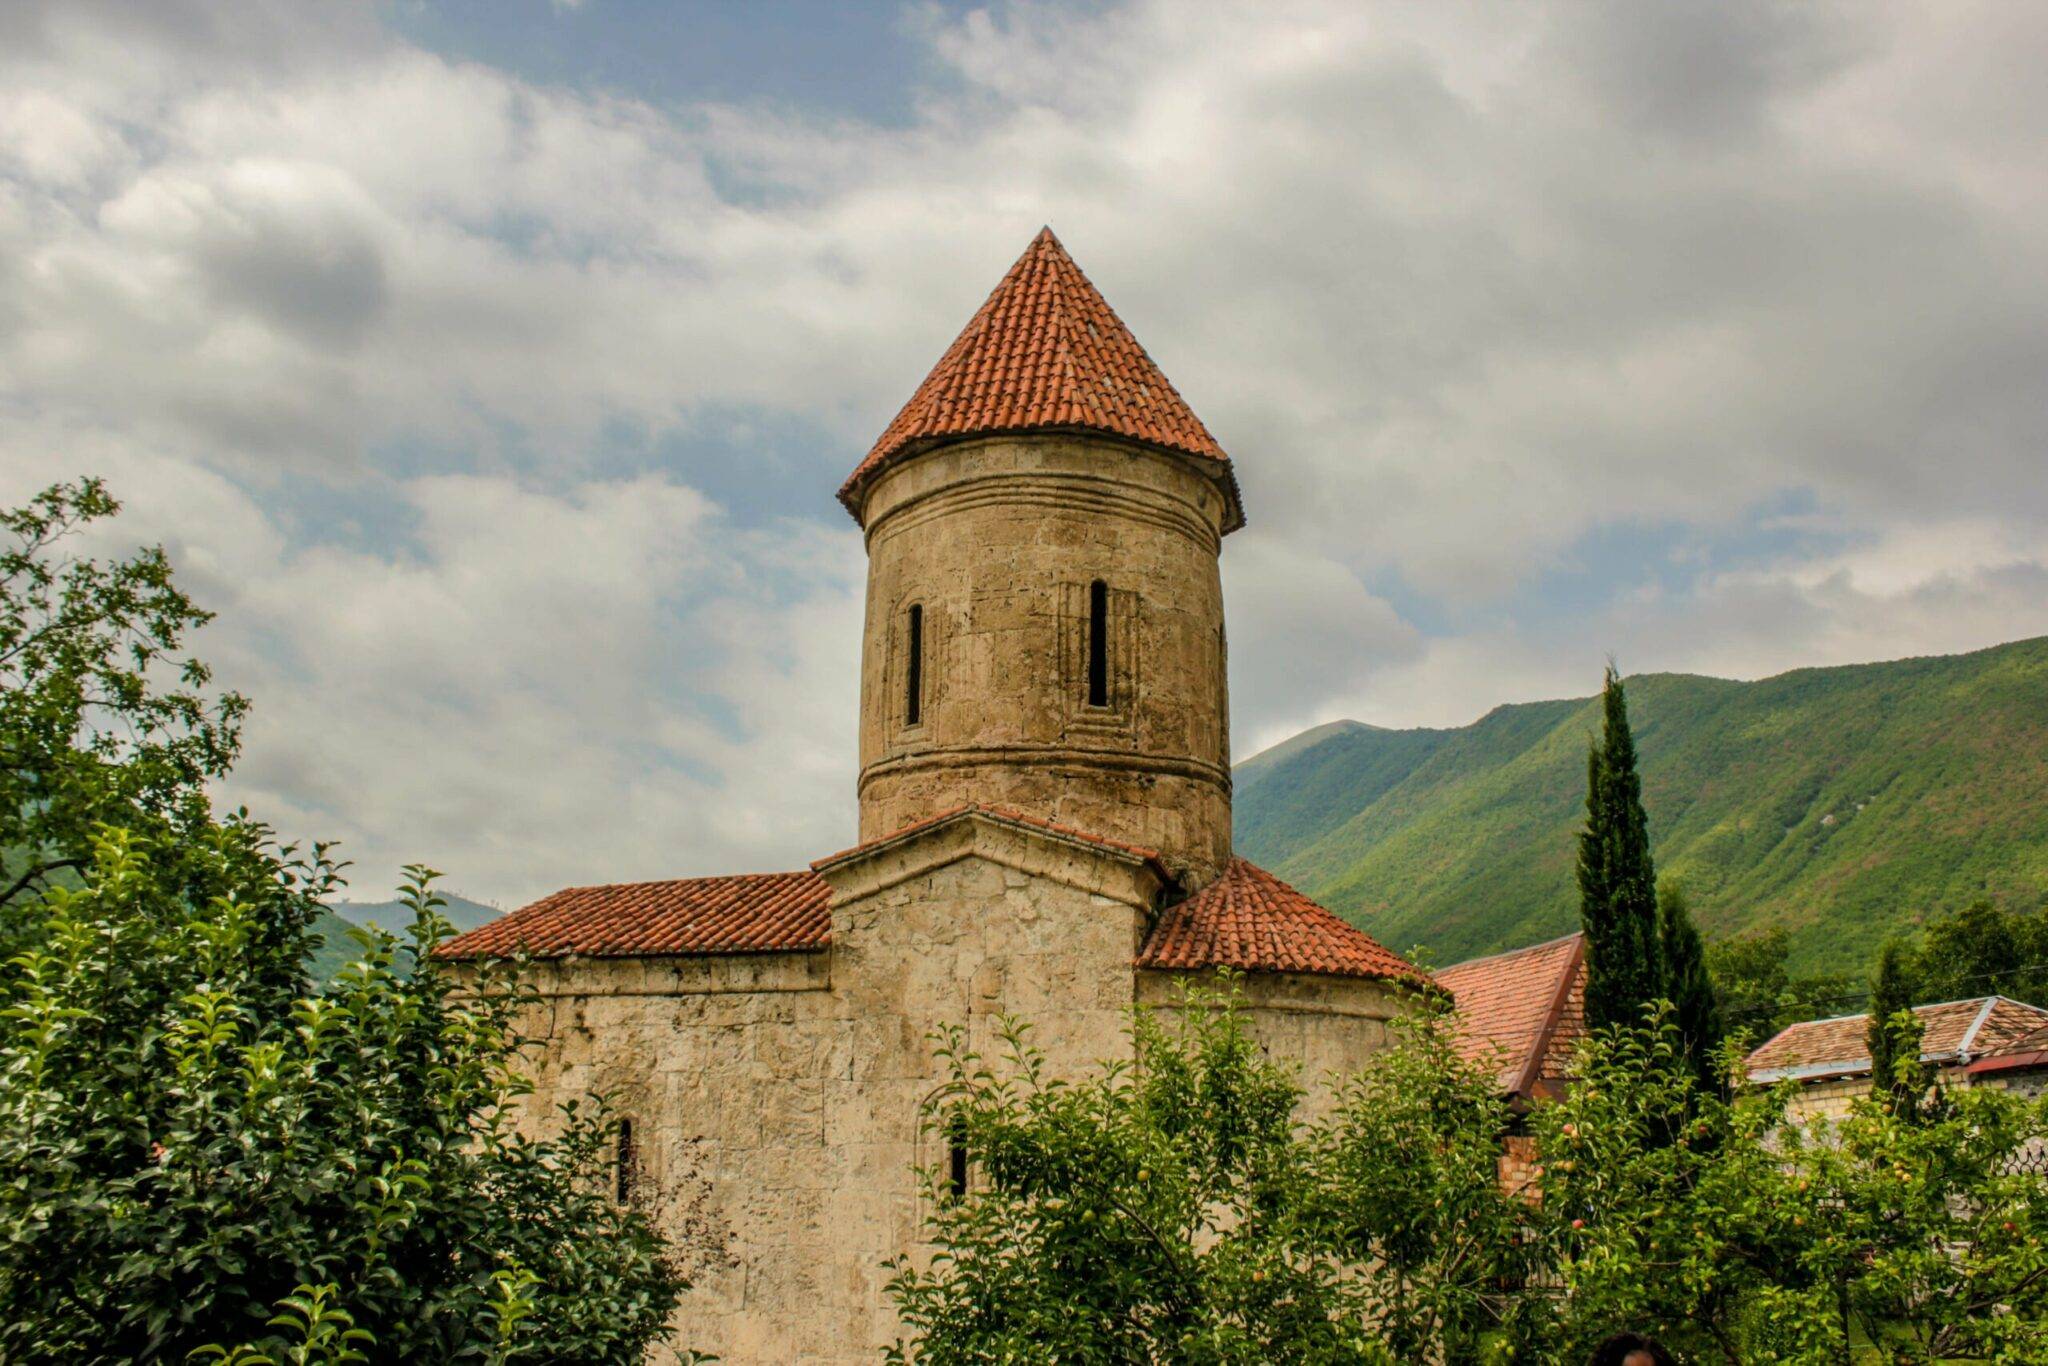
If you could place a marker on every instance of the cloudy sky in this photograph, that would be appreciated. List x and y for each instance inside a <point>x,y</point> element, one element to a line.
<point>489,364</point>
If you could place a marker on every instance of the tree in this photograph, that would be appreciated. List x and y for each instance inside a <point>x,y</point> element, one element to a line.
<point>182,1166</point>
<point>1171,1208</point>
<point>1754,1236</point>
<point>200,1159</point>
<point>1617,883</point>
<point>1758,994</point>
<point>1893,1034</point>
<point>1405,1186</point>
<point>1985,949</point>
<point>103,718</point>
<point>1682,958</point>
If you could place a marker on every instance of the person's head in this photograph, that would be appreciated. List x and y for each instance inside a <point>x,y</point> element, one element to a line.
<point>1631,1349</point>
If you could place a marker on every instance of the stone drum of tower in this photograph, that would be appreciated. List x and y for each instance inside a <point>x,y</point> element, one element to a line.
<point>1044,611</point>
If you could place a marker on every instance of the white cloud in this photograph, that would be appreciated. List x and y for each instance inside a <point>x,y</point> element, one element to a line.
<point>356,329</point>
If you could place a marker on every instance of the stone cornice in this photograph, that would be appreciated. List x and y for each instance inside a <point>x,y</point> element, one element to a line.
<point>1101,869</point>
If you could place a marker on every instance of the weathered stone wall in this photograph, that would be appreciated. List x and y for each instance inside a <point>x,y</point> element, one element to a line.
<point>723,1065</point>
<point>1323,1027</point>
<point>775,1098</point>
<point>997,540</point>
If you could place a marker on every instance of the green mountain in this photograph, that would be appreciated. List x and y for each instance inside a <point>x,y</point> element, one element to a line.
<point>338,948</point>
<point>1841,803</point>
<point>462,913</point>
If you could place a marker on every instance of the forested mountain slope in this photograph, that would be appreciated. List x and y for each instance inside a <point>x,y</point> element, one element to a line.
<point>1841,803</point>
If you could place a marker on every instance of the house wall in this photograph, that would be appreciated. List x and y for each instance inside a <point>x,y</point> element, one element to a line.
<point>1832,1098</point>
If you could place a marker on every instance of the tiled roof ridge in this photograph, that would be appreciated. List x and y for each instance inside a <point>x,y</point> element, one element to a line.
<point>652,882</point>
<point>1986,1001</point>
<point>1960,1031</point>
<point>1002,813</point>
<point>1024,362</point>
<point>1533,1069</point>
<point>1520,1011</point>
<point>1509,953</point>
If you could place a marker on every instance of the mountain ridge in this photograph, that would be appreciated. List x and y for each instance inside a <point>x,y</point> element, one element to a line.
<point>1844,802</point>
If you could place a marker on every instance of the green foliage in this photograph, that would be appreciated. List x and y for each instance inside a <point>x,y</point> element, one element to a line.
<point>1840,804</point>
<point>1172,1210</point>
<point>103,718</point>
<point>197,1159</point>
<point>1758,994</point>
<point>1686,983</point>
<point>186,1168</point>
<point>1617,884</point>
<point>1894,1031</point>
<point>1984,950</point>
<point>1754,1238</point>
<point>1668,1210</point>
<point>1404,1186</point>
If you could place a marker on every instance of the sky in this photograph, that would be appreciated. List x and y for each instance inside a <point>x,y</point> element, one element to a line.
<point>489,365</point>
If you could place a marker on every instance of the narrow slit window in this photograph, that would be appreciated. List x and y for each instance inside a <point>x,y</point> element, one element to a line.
<point>623,1176</point>
<point>1098,644</point>
<point>956,1159</point>
<point>913,690</point>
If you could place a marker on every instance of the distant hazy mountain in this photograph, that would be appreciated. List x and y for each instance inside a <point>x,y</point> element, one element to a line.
<point>333,926</point>
<point>463,913</point>
<point>1841,803</point>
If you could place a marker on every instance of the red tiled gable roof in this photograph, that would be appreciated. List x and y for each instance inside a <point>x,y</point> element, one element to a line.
<point>1523,1010</point>
<point>1953,1032</point>
<point>757,913</point>
<point>2025,1052</point>
<point>1045,351</point>
<point>1250,920</point>
<point>1002,813</point>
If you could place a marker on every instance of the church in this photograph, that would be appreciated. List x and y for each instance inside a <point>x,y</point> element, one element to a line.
<point>1044,788</point>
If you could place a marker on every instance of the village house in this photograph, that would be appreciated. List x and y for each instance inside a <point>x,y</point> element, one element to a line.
<point>1522,1012</point>
<point>1984,1041</point>
<point>1045,798</point>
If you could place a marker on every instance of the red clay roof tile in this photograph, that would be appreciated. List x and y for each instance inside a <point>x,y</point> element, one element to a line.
<point>757,913</point>
<point>1250,920</point>
<point>1045,350</point>
<point>1953,1032</point>
<point>1523,1010</point>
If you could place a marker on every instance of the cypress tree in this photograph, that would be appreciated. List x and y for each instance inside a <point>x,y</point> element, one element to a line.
<point>1892,1042</point>
<point>1687,985</point>
<point>1617,885</point>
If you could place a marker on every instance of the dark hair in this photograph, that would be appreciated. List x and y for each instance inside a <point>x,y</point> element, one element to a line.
<point>1617,1350</point>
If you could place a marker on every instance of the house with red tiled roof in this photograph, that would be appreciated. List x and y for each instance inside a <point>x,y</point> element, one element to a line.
<point>1522,1012</point>
<point>1986,1040</point>
<point>1044,834</point>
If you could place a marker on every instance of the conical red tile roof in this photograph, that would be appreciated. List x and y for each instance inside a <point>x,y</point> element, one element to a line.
<point>1252,921</point>
<point>1045,351</point>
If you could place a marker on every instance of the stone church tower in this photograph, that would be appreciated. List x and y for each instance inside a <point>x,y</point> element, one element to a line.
<point>1044,832</point>
<point>1044,608</point>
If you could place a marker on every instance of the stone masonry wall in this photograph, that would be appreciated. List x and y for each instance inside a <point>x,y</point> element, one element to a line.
<point>776,1098</point>
<point>1323,1027</point>
<point>996,541</point>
